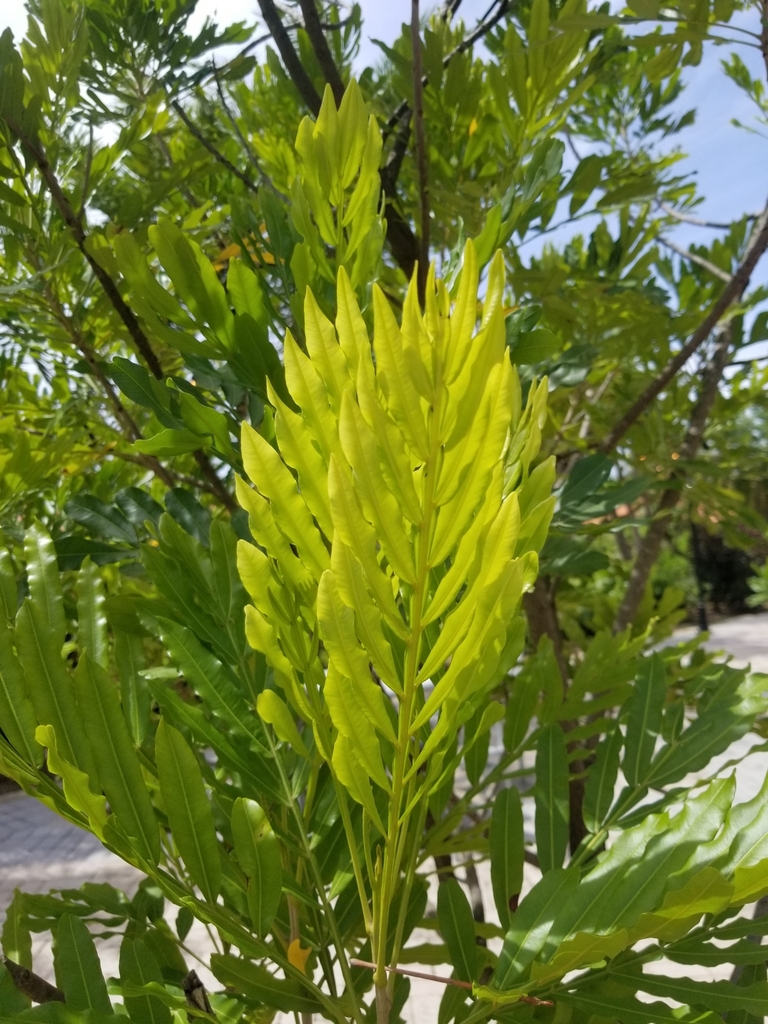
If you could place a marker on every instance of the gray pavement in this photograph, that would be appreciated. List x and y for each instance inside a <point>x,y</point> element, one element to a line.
<point>39,851</point>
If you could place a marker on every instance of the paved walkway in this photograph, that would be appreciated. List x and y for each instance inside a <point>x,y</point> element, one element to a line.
<point>39,851</point>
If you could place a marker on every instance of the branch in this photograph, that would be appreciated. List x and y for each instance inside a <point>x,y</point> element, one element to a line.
<point>483,29</point>
<point>314,30</point>
<point>212,149</point>
<point>421,149</point>
<point>650,545</point>
<point>441,981</point>
<point>31,985</point>
<point>113,294</point>
<point>293,65</point>
<point>731,293</point>
<point>687,218</point>
<point>72,221</point>
<point>694,258</point>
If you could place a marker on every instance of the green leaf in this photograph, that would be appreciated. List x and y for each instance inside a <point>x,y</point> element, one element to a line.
<point>188,809</point>
<point>9,591</point>
<point>720,996</point>
<point>138,506</point>
<point>91,620</point>
<point>532,924</point>
<point>16,938</point>
<point>118,764</point>
<point>645,711</point>
<point>12,1001</point>
<point>534,347</point>
<point>104,520</point>
<point>134,692</point>
<point>170,442</point>
<point>78,970</point>
<point>71,552</point>
<point>142,388</point>
<point>507,851</point>
<point>49,686</point>
<point>43,580</point>
<point>457,927</point>
<point>17,715</point>
<point>615,1003</point>
<point>598,792</point>
<point>258,852</point>
<point>256,982</point>
<point>551,792</point>
<point>189,514</point>
<point>139,967</point>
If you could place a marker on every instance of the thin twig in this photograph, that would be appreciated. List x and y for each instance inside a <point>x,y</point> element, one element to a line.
<point>695,258</point>
<point>482,29</point>
<point>688,218</point>
<point>730,293</point>
<point>440,980</point>
<point>207,144</point>
<point>421,149</point>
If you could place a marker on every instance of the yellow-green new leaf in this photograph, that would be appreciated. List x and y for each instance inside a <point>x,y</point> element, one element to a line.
<point>275,711</point>
<point>77,785</point>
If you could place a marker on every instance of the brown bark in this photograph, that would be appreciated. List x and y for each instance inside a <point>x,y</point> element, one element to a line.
<point>290,58</point>
<point>321,48</point>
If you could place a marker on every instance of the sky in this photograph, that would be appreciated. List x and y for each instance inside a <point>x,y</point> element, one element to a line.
<point>730,163</point>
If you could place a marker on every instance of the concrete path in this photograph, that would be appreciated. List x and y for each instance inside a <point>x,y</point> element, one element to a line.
<point>39,851</point>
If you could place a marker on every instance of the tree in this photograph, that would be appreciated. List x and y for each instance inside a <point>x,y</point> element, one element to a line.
<point>221,273</point>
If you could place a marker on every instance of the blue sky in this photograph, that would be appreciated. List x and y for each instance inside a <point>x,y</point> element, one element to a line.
<point>730,163</point>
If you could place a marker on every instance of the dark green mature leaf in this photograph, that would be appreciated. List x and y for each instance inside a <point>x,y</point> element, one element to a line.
<point>91,619</point>
<point>50,689</point>
<point>134,692</point>
<point>118,764</point>
<point>138,966</point>
<point>9,590</point>
<point>138,506</point>
<point>645,711</point>
<point>256,773</point>
<point>78,970</point>
<point>258,852</point>
<point>552,811</point>
<point>598,792</point>
<point>257,983</point>
<point>457,926</point>
<point>619,1004</point>
<point>720,996</point>
<point>141,387</point>
<point>43,580</point>
<point>72,551</point>
<point>17,716</point>
<point>188,810</point>
<point>507,851</point>
<point>532,924</point>
<point>104,520</point>
<point>15,938</point>
<point>189,513</point>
